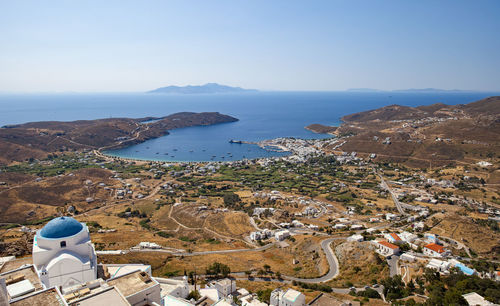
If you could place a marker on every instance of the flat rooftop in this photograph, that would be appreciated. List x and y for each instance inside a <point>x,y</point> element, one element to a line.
<point>18,275</point>
<point>14,264</point>
<point>132,283</point>
<point>48,297</point>
<point>327,300</point>
<point>108,297</point>
<point>119,270</point>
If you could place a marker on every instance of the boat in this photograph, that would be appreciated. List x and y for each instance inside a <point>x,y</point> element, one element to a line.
<point>235,141</point>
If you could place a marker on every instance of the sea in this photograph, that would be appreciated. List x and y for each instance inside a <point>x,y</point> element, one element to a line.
<point>262,115</point>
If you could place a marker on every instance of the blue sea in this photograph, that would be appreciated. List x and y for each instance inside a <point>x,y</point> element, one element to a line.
<point>262,115</point>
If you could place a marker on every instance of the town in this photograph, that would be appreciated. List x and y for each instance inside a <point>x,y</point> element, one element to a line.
<point>310,227</point>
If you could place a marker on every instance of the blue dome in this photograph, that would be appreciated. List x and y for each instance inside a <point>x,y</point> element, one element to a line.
<point>61,227</point>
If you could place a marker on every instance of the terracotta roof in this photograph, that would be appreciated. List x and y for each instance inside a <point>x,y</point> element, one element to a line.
<point>395,236</point>
<point>435,247</point>
<point>388,244</point>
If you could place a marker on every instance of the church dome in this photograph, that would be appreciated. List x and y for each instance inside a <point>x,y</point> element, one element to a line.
<point>61,227</point>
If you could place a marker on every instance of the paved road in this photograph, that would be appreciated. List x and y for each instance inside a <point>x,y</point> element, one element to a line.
<point>332,261</point>
<point>325,245</point>
<point>394,198</point>
<point>393,265</point>
<point>267,246</point>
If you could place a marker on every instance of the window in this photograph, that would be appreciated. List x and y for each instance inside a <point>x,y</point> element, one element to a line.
<point>63,244</point>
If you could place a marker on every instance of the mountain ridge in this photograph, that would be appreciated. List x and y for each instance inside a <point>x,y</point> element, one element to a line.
<point>208,88</point>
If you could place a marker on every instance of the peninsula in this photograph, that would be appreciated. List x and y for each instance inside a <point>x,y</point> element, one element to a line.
<point>36,140</point>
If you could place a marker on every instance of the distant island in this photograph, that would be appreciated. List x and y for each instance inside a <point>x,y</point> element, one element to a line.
<point>419,90</point>
<point>209,88</point>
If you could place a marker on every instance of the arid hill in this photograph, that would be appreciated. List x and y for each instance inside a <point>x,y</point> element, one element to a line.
<point>436,134</point>
<point>38,139</point>
<point>320,128</point>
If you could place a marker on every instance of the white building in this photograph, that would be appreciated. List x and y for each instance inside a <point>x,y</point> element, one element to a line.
<point>475,299</point>
<point>339,226</point>
<point>138,287</point>
<point>408,237</point>
<point>356,227</point>
<point>225,287</point>
<point>174,287</point>
<point>385,248</point>
<point>407,257</point>
<point>438,265</point>
<point>435,250</point>
<point>250,300</point>
<point>63,254</point>
<point>287,298</point>
<point>390,216</point>
<point>393,238</point>
<point>356,237</point>
<point>281,235</point>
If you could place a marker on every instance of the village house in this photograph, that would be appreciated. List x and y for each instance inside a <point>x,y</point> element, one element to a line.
<point>393,238</point>
<point>435,250</point>
<point>281,235</point>
<point>385,248</point>
<point>290,297</point>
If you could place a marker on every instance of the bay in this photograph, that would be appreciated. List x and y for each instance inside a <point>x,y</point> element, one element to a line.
<point>262,115</point>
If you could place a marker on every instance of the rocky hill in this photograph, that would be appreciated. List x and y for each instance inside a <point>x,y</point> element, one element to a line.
<point>436,134</point>
<point>38,139</point>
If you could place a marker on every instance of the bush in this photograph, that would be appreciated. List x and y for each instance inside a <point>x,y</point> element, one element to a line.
<point>317,287</point>
<point>218,268</point>
<point>164,234</point>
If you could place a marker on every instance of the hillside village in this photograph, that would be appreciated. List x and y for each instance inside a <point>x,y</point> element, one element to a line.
<point>323,225</point>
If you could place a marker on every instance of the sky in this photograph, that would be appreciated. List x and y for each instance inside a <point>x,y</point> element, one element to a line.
<point>128,46</point>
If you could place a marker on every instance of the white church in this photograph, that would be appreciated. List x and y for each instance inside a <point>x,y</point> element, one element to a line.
<point>65,272</point>
<point>63,254</point>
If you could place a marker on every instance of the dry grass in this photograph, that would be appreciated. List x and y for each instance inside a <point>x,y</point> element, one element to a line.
<point>479,238</point>
<point>359,264</point>
<point>235,224</point>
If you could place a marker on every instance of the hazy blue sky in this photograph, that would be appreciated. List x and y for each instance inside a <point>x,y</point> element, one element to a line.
<point>271,45</point>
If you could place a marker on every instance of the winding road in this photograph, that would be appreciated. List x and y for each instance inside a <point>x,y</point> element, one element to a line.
<point>332,262</point>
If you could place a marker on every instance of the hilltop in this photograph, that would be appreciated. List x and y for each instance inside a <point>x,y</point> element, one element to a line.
<point>436,134</point>
<point>209,88</point>
<point>38,139</point>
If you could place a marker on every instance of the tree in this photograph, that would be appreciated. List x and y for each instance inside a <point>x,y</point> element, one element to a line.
<point>267,268</point>
<point>453,297</point>
<point>411,286</point>
<point>261,272</point>
<point>264,295</point>
<point>193,295</point>
<point>248,273</point>
<point>278,275</point>
<point>218,268</point>
<point>231,199</point>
